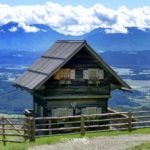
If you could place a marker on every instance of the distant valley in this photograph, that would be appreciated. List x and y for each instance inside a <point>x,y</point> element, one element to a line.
<point>133,67</point>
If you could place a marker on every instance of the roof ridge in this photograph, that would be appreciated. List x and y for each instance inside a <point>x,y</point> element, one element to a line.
<point>71,41</point>
<point>48,57</point>
<point>60,53</point>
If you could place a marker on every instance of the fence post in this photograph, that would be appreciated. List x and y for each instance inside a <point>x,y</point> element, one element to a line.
<point>26,128</point>
<point>3,130</point>
<point>129,121</point>
<point>32,129</point>
<point>82,125</point>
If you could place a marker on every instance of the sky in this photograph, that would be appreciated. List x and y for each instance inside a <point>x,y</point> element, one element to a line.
<point>115,4</point>
<point>76,17</point>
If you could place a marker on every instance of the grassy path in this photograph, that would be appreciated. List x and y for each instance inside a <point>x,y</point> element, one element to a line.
<point>54,140</point>
<point>121,142</point>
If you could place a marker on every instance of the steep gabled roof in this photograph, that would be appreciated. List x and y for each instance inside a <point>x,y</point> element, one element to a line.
<point>53,59</point>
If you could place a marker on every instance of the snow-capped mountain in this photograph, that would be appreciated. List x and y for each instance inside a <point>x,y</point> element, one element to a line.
<point>13,36</point>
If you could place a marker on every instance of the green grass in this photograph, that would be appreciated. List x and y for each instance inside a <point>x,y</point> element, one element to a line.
<point>10,115</point>
<point>61,138</point>
<point>144,146</point>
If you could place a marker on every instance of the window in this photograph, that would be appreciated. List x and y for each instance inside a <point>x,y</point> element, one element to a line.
<point>64,74</point>
<point>93,74</point>
<point>91,110</point>
<point>59,112</point>
<point>93,77</point>
<point>99,110</point>
<point>62,112</point>
<point>70,112</point>
<point>79,74</point>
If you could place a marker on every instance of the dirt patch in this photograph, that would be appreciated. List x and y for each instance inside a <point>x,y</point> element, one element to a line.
<point>99,143</point>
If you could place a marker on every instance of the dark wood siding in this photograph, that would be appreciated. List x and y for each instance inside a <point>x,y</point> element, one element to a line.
<point>79,87</point>
<point>39,102</point>
<point>80,103</point>
<point>81,61</point>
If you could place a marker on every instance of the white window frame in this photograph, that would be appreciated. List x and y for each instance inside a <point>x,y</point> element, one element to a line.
<point>85,74</point>
<point>101,73</point>
<point>72,74</point>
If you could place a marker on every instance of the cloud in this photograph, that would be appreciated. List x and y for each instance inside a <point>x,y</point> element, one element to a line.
<point>75,20</point>
<point>117,29</point>
<point>28,28</point>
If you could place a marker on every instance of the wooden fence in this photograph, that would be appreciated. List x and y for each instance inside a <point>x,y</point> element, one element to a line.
<point>29,128</point>
<point>46,126</point>
<point>14,130</point>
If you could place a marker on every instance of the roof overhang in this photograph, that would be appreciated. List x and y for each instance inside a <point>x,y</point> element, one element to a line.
<point>45,76</point>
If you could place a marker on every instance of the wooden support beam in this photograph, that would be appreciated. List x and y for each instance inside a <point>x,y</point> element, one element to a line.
<point>82,125</point>
<point>3,131</point>
<point>129,121</point>
<point>32,130</point>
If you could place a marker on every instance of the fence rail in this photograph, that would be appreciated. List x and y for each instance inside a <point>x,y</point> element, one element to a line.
<point>13,127</point>
<point>45,126</point>
<point>30,127</point>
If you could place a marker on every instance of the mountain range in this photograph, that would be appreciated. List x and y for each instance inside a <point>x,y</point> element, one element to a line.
<point>19,49</point>
<point>18,39</point>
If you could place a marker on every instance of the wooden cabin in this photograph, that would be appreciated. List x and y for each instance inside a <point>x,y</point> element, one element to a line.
<point>69,79</point>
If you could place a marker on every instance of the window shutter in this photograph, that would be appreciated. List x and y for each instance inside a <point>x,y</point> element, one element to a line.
<point>101,74</point>
<point>93,74</point>
<point>85,74</point>
<point>99,110</point>
<point>72,74</point>
<point>70,112</point>
<point>54,113</point>
<point>57,75</point>
<point>83,111</point>
<point>62,112</point>
<point>91,110</point>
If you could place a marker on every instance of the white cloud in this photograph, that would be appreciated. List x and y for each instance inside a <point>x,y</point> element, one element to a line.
<point>28,28</point>
<point>75,20</point>
<point>117,29</point>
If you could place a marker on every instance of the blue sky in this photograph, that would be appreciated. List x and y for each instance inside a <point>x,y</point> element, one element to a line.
<point>86,3</point>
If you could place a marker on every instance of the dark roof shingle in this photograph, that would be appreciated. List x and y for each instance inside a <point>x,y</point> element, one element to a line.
<point>44,67</point>
<point>30,79</point>
<point>53,59</point>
